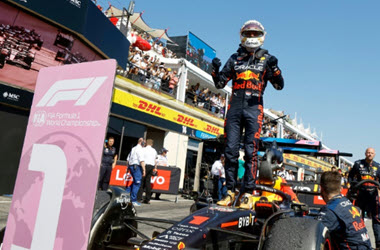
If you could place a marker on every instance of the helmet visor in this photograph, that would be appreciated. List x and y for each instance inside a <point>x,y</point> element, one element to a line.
<point>252,33</point>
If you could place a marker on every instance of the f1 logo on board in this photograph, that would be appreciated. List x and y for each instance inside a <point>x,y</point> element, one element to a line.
<point>79,90</point>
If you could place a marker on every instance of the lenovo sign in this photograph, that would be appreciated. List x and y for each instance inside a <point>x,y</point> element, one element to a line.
<point>166,181</point>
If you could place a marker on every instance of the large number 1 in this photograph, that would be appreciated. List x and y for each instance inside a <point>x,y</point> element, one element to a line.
<point>51,160</point>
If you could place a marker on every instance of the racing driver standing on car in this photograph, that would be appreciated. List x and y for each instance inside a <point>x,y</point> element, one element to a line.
<point>249,68</point>
<point>368,197</point>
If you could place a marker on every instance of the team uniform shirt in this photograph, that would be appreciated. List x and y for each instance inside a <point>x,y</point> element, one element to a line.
<point>365,171</point>
<point>346,226</point>
<point>136,156</point>
<point>162,161</point>
<point>217,169</point>
<point>150,155</point>
<point>108,155</point>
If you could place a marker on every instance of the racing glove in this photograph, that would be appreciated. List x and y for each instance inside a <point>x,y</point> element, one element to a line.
<point>216,63</point>
<point>275,73</point>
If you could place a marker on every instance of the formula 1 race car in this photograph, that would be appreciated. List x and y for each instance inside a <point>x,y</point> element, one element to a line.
<point>277,221</point>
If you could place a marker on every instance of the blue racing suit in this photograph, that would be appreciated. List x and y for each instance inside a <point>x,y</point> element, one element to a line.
<point>368,198</point>
<point>249,74</point>
<point>346,226</point>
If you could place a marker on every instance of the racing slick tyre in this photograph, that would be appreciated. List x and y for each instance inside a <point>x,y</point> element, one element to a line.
<point>112,212</point>
<point>298,233</point>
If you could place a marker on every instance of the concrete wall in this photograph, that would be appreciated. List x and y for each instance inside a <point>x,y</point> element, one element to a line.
<point>177,146</point>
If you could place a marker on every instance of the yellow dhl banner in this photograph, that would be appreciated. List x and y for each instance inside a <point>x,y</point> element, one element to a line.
<point>306,161</point>
<point>131,101</point>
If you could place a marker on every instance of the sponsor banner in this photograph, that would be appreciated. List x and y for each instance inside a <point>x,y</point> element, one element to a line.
<point>15,96</point>
<point>305,162</point>
<point>166,181</point>
<point>152,108</point>
<point>57,178</point>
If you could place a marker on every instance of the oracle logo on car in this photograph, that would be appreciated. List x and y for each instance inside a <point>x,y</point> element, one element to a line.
<point>185,120</point>
<point>149,107</point>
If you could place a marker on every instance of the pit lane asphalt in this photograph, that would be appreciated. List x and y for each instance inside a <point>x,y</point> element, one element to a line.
<point>166,208</point>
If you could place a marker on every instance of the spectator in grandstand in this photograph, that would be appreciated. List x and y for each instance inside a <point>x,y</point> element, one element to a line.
<point>214,103</point>
<point>222,106</point>
<point>342,219</point>
<point>143,66</point>
<point>137,58</point>
<point>165,80</point>
<point>333,169</point>
<point>173,82</point>
<point>133,74</point>
<point>203,98</point>
<point>368,195</point>
<point>191,94</point>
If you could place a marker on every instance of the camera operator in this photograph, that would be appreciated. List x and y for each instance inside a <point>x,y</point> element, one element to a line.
<point>367,196</point>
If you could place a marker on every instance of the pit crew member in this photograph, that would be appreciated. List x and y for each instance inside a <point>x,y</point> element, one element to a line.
<point>342,219</point>
<point>368,197</point>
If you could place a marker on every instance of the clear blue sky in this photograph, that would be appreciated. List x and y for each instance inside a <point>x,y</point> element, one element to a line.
<point>328,52</point>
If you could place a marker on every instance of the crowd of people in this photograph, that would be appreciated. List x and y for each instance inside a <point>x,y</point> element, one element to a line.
<point>204,98</point>
<point>156,44</point>
<point>142,162</point>
<point>148,70</point>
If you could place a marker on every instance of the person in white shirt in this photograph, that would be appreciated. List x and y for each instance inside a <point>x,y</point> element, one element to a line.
<point>217,170</point>
<point>150,155</point>
<point>136,166</point>
<point>161,160</point>
<point>290,176</point>
<point>282,173</point>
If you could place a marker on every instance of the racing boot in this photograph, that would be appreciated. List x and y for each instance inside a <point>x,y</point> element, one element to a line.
<point>247,201</point>
<point>227,200</point>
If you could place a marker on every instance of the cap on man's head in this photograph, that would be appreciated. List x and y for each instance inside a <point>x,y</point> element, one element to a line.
<point>222,155</point>
<point>164,150</point>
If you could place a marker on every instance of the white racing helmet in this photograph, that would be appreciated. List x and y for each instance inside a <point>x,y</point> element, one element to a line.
<point>252,35</point>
